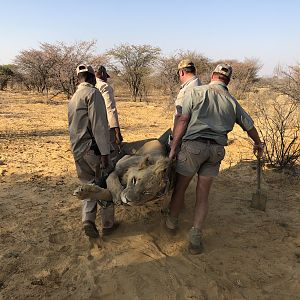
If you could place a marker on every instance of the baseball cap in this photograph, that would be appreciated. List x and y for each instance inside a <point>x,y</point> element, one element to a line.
<point>224,69</point>
<point>185,63</point>
<point>84,68</point>
<point>102,69</point>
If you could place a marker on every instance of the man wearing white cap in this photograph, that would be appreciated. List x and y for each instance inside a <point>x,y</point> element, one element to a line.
<point>209,113</point>
<point>90,145</point>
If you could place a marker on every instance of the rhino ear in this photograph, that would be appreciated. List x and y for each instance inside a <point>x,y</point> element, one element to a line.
<point>144,163</point>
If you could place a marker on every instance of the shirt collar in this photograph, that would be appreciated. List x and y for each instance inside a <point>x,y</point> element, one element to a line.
<point>83,84</point>
<point>217,82</point>
<point>188,81</point>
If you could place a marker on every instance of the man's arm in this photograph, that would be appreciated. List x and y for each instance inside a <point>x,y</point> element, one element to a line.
<point>118,135</point>
<point>247,124</point>
<point>178,133</point>
<point>258,147</point>
<point>99,124</point>
<point>112,113</point>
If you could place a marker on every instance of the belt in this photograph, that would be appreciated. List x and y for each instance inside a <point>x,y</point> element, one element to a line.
<point>206,140</point>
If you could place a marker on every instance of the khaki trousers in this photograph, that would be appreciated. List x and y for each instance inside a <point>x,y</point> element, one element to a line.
<point>88,171</point>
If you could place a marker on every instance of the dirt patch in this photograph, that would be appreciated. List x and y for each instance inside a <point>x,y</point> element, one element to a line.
<point>44,254</point>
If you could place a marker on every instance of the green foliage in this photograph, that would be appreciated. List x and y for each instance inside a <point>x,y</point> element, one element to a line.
<point>133,63</point>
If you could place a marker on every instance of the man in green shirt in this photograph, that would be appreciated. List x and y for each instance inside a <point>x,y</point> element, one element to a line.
<point>209,113</point>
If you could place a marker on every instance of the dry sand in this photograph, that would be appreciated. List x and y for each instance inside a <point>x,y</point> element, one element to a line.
<point>44,254</point>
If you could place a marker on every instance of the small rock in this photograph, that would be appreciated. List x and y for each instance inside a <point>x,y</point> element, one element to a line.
<point>2,163</point>
<point>3,172</point>
<point>297,240</point>
<point>12,254</point>
<point>283,224</point>
<point>37,282</point>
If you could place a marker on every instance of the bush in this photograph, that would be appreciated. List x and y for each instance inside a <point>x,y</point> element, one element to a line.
<point>278,123</point>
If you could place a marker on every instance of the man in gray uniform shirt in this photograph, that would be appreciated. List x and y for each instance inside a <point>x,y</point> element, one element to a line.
<point>90,144</point>
<point>209,113</point>
<point>187,76</point>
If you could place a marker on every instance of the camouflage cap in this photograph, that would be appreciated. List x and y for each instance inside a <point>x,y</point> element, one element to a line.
<point>224,69</point>
<point>185,63</point>
<point>84,68</point>
<point>102,69</point>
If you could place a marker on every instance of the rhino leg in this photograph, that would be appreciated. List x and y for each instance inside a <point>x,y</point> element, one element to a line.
<point>114,186</point>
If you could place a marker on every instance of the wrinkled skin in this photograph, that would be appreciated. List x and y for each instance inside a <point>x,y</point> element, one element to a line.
<point>137,179</point>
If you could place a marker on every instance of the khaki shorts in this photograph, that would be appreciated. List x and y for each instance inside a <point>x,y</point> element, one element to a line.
<point>198,157</point>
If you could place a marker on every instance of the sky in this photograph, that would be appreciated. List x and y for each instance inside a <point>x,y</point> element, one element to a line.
<point>218,29</point>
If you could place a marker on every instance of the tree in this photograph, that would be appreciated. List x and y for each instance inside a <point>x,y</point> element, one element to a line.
<point>133,63</point>
<point>279,126</point>
<point>287,81</point>
<point>6,74</point>
<point>67,57</point>
<point>53,65</point>
<point>35,66</point>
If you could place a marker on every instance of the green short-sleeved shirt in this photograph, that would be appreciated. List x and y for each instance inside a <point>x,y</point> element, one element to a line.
<point>213,113</point>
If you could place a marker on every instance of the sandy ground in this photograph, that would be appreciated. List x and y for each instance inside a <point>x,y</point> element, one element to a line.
<point>44,254</point>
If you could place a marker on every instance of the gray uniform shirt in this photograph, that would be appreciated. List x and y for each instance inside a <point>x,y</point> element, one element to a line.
<point>108,94</point>
<point>86,116</point>
<point>184,89</point>
<point>213,112</point>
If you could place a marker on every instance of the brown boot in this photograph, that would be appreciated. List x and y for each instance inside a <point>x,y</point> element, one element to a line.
<point>109,230</point>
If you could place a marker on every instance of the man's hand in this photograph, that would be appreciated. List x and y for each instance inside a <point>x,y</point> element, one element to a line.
<point>104,160</point>
<point>258,149</point>
<point>118,135</point>
<point>172,153</point>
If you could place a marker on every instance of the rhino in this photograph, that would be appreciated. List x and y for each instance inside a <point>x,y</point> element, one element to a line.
<point>138,177</point>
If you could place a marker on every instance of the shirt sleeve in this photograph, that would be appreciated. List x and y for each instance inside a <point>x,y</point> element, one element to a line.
<point>99,124</point>
<point>187,105</point>
<point>110,103</point>
<point>243,119</point>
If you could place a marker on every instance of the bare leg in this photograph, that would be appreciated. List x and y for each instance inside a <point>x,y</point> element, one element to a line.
<point>201,208</point>
<point>177,199</point>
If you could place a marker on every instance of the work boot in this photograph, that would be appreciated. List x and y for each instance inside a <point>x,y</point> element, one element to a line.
<point>195,245</point>
<point>90,229</point>
<point>109,230</point>
<point>171,224</point>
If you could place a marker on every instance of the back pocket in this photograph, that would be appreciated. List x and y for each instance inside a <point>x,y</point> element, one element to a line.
<point>218,153</point>
<point>194,147</point>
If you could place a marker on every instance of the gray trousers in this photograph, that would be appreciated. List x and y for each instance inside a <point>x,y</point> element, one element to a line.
<point>88,171</point>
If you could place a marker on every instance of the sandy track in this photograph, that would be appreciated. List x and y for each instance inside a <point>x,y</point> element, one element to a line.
<point>44,254</point>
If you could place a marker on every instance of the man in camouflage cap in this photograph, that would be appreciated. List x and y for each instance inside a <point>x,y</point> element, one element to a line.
<point>90,145</point>
<point>209,113</point>
<point>186,72</point>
